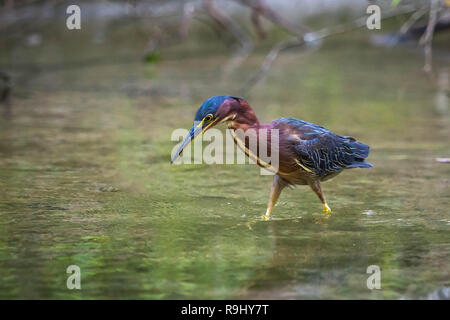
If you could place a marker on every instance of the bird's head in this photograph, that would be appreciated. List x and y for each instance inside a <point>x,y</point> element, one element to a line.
<point>213,111</point>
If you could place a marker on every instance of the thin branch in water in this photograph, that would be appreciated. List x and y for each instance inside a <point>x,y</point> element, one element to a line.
<point>311,38</point>
<point>413,19</point>
<point>186,20</point>
<point>427,37</point>
<point>246,44</point>
<point>225,22</point>
<point>256,21</point>
<point>263,9</point>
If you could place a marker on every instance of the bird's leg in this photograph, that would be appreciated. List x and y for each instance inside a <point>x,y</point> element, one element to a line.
<point>277,187</point>
<point>315,185</point>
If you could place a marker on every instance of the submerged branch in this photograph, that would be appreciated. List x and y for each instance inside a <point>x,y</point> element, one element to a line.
<point>310,38</point>
<point>413,19</point>
<point>427,37</point>
<point>246,44</point>
<point>259,7</point>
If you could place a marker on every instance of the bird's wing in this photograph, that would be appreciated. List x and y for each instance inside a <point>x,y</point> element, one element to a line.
<point>321,151</point>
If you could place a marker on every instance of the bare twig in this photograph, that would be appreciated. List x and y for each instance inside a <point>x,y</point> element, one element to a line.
<point>310,38</point>
<point>259,7</point>
<point>246,44</point>
<point>413,19</point>
<point>225,22</point>
<point>186,20</point>
<point>427,37</point>
<point>256,21</point>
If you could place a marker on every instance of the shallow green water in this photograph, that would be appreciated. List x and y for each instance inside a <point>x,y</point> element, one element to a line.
<point>85,179</point>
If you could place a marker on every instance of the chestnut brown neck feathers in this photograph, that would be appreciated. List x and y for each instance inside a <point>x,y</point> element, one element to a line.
<point>244,116</point>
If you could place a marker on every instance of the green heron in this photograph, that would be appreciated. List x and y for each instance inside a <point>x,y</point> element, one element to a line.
<point>308,153</point>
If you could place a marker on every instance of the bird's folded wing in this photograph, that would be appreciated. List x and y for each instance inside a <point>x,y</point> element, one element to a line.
<point>325,152</point>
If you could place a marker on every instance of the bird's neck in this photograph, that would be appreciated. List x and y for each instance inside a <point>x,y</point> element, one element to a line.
<point>244,119</point>
<point>246,132</point>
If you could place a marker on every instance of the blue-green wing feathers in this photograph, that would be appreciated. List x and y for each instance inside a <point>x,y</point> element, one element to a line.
<point>323,151</point>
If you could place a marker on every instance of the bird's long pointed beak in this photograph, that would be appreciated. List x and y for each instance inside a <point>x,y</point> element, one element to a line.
<point>193,133</point>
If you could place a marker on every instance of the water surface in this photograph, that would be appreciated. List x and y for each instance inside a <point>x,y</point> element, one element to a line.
<point>85,179</point>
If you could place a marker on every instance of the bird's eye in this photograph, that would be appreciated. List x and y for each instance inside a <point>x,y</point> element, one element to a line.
<point>208,117</point>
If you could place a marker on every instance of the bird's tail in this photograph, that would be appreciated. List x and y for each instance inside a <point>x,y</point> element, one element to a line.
<point>363,164</point>
<point>361,152</point>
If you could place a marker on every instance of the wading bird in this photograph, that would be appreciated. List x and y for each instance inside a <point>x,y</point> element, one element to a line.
<point>308,153</point>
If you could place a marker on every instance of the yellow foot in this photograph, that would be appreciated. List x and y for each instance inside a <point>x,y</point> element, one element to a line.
<point>265,217</point>
<point>326,209</point>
